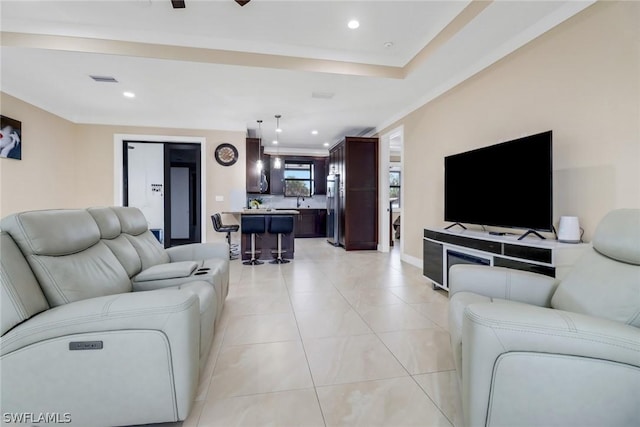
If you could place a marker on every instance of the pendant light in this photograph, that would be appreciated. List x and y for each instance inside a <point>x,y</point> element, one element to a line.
<point>277,163</point>
<point>259,162</point>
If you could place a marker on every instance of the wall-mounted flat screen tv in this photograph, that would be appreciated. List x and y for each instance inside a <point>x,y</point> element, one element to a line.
<point>506,185</point>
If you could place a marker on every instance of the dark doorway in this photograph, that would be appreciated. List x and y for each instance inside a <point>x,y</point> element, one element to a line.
<point>164,181</point>
<point>182,198</point>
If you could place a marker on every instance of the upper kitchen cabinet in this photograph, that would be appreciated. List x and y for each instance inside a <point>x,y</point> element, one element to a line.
<point>277,177</point>
<point>257,180</point>
<point>320,172</point>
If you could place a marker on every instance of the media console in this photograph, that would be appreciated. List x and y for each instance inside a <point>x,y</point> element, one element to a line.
<point>444,248</point>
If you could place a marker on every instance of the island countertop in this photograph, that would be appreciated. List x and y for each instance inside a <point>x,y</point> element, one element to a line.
<point>264,212</point>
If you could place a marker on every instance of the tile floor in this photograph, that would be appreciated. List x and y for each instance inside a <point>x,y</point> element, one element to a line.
<point>333,338</point>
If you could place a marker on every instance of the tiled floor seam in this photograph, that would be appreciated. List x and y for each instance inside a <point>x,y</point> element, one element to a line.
<point>306,357</point>
<point>431,399</point>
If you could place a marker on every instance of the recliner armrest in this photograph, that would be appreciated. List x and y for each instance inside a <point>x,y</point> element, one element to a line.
<point>504,283</point>
<point>500,328</point>
<point>198,251</point>
<point>168,311</point>
<point>154,334</point>
<point>494,333</point>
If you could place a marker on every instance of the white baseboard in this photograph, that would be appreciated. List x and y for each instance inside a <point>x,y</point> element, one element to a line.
<point>416,262</point>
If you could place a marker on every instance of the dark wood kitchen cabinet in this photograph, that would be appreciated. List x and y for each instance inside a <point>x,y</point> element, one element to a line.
<point>356,160</point>
<point>306,225</point>
<point>320,175</point>
<point>277,177</point>
<point>254,153</point>
<point>311,223</point>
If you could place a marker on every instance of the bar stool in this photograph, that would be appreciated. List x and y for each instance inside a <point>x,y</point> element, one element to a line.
<point>216,218</point>
<point>253,224</point>
<point>281,224</point>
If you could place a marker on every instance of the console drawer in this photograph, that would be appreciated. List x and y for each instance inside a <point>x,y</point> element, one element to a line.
<point>528,253</point>
<point>467,242</point>
<point>524,266</point>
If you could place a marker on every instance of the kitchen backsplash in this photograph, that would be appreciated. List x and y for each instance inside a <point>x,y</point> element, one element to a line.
<point>318,201</point>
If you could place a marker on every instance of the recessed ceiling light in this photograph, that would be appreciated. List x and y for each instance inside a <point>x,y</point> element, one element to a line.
<point>353,24</point>
<point>129,94</point>
<point>314,132</point>
<point>275,141</point>
<point>388,44</point>
<point>278,130</point>
<point>326,144</point>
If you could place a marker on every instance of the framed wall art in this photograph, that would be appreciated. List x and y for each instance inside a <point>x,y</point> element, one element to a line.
<point>10,138</point>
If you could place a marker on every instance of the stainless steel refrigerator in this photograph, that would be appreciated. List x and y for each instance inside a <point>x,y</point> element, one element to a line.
<point>333,209</point>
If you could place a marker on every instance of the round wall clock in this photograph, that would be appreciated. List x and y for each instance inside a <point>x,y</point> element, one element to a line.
<point>226,154</point>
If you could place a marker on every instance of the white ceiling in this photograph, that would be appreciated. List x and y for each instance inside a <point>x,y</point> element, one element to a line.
<point>291,50</point>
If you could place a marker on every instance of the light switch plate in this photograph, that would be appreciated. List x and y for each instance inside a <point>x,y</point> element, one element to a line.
<point>219,198</point>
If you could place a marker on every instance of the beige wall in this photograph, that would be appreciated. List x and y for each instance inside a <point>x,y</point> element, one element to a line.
<point>67,166</point>
<point>45,177</point>
<point>581,80</point>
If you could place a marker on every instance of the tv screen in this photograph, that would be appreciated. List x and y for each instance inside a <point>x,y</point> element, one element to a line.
<point>507,184</point>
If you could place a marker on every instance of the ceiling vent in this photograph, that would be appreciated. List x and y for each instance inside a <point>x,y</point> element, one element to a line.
<point>322,95</point>
<point>104,79</point>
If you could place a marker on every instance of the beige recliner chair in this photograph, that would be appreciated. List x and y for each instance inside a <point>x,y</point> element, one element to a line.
<point>533,352</point>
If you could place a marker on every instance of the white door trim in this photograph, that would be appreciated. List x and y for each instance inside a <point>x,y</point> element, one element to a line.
<point>383,188</point>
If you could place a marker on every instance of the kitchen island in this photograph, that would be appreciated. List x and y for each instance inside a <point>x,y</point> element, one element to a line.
<point>267,242</point>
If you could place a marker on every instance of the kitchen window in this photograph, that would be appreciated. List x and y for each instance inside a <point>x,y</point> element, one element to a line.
<point>298,178</point>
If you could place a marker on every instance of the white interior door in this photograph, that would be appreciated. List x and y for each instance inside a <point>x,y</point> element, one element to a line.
<point>145,172</point>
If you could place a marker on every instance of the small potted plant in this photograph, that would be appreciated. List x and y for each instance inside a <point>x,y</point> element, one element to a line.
<point>255,203</point>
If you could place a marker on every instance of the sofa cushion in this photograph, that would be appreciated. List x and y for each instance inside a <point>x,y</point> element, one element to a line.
<point>107,222</point>
<point>66,255</point>
<point>126,254</point>
<point>149,249</point>
<point>132,220</point>
<point>110,232</point>
<point>135,228</point>
<point>52,232</point>
<point>21,295</point>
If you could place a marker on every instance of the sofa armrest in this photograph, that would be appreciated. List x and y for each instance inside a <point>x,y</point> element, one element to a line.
<point>493,332</point>
<point>198,251</point>
<point>504,283</point>
<point>167,311</point>
<point>494,329</point>
<point>148,354</point>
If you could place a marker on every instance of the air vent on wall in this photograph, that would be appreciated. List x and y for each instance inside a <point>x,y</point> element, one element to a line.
<point>104,79</point>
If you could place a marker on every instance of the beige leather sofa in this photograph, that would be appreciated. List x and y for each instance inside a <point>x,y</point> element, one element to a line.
<point>533,352</point>
<point>100,323</point>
